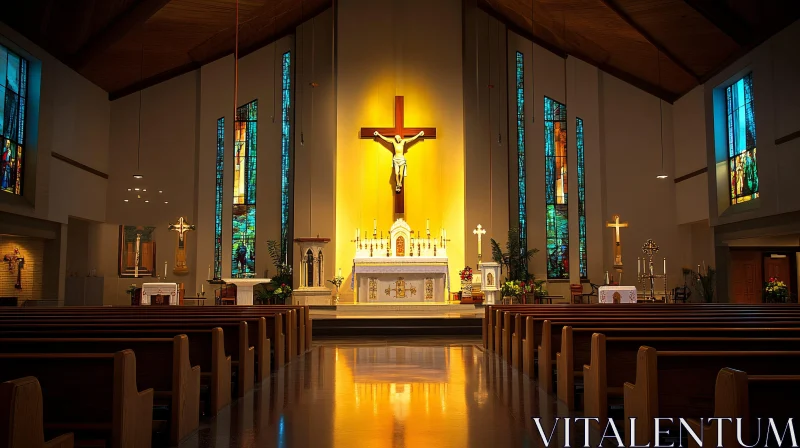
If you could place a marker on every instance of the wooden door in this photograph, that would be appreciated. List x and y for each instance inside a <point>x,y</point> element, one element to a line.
<point>745,275</point>
<point>779,268</point>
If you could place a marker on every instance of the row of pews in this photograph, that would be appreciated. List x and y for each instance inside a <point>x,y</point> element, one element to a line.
<point>644,361</point>
<point>134,376</point>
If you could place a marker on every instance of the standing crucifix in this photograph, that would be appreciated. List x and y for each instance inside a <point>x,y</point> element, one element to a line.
<point>180,254</point>
<point>12,259</point>
<point>617,244</point>
<point>400,137</point>
<point>480,231</point>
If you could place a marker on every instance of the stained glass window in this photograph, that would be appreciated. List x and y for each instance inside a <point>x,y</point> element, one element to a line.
<point>742,163</point>
<point>581,199</point>
<point>218,199</point>
<point>244,192</point>
<point>285,146</point>
<point>521,178</point>
<point>13,89</point>
<point>555,174</point>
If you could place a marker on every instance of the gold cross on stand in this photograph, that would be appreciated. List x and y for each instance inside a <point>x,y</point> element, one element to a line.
<point>617,243</point>
<point>480,231</point>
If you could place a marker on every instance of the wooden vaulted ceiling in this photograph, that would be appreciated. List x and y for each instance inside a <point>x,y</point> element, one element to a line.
<point>665,47</point>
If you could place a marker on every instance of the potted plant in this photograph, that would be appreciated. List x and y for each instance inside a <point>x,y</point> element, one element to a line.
<point>538,289</point>
<point>274,292</point>
<point>466,284</point>
<point>702,283</point>
<point>775,291</point>
<point>510,290</point>
<point>131,291</point>
<point>516,258</point>
<point>337,282</point>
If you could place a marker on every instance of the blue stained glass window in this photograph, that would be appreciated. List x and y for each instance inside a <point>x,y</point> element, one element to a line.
<point>555,173</point>
<point>286,92</point>
<point>13,91</point>
<point>244,192</point>
<point>521,177</point>
<point>742,164</point>
<point>581,199</point>
<point>218,198</point>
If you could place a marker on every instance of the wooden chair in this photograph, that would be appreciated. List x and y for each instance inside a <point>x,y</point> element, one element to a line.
<point>681,294</point>
<point>226,295</point>
<point>593,293</point>
<point>136,300</point>
<point>576,293</point>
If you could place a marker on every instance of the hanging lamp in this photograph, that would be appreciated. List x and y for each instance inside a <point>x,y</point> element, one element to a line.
<point>138,173</point>
<point>662,174</point>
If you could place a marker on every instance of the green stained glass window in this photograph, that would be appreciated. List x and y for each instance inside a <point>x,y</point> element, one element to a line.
<point>555,164</point>
<point>244,192</point>
<point>742,162</point>
<point>13,94</point>
<point>286,93</point>
<point>218,198</point>
<point>581,199</point>
<point>521,177</point>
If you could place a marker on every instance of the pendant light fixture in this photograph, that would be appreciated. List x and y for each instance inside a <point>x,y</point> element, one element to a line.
<point>662,174</point>
<point>138,173</point>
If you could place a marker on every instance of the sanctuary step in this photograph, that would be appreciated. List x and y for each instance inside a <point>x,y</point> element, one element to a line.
<point>377,308</point>
<point>396,325</point>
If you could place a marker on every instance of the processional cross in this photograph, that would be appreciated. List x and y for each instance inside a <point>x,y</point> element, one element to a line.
<point>617,244</point>
<point>12,259</point>
<point>400,138</point>
<point>180,255</point>
<point>480,231</point>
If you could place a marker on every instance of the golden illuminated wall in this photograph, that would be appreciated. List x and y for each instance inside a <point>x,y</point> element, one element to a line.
<point>388,48</point>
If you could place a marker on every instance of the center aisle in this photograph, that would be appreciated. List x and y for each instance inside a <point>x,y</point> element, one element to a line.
<point>388,392</point>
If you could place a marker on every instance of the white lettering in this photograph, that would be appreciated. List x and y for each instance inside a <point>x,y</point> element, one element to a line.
<point>789,426</point>
<point>586,421</point>
<point>659,432</point>
<point>684,424</point>
<point>616,435</point>
<point>739,433</point>
<point>632,441</point>
<point>719,428</point>
<point>547,440</point>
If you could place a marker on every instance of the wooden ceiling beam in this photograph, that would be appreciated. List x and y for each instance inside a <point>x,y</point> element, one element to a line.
<point>724,19</point>
<point>115,30</point>
<point>649,37</point>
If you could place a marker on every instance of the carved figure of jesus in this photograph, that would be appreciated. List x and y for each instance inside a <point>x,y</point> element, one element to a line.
<point>399,158</point>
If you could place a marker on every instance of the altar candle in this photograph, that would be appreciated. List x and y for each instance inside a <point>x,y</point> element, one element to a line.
<point>340,272</point>
<point>165,269</point>
<point>665,266</point>
<point>374,225</point>
<point>428,225</point>
<point>356,233</point>
<point>638,266</point>
<point>202,288</point>
<point>209,272</point>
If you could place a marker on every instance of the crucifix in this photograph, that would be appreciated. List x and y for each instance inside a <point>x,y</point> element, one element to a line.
<point>400,138</point>
<point>480,231</point>
<point>12,259</point>
<point>180,254</point>
<point>617,244</point>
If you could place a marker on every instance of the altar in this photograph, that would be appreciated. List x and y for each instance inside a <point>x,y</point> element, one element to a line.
<point>400,268</point>
<point>152,291</point>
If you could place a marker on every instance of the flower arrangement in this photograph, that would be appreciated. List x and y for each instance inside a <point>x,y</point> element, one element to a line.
<point>775,291</point>
<point>282,293</point>
<point>466,274</point>
<point>337,281</point>
<point>511,289</point>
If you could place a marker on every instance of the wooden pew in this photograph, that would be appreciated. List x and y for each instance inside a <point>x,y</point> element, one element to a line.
<point>235,336</point>
<point>575,358</point>
<point>206,349</point>
<point>21,418</point>
<point>749,397</point>
<point>93,395</point>
<point>176,384</point>
<point>682,383</point>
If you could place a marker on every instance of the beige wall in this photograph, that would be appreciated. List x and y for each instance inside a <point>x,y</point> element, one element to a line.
<point>377,59</point>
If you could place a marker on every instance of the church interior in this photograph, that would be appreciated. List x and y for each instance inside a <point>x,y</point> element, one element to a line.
<point>397,223</point>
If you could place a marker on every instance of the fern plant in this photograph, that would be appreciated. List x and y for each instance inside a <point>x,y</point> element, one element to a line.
<point>515,259</point>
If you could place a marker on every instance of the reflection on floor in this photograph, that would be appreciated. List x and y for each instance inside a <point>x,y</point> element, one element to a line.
<point>350,393</point>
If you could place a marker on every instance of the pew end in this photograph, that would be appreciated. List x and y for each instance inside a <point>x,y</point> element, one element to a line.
<point>641,399</point>
<point>565,376</point>
<point>595,383</point>
<point>22,415</point>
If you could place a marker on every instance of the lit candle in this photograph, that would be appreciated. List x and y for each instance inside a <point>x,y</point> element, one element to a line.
<point>665,265</point>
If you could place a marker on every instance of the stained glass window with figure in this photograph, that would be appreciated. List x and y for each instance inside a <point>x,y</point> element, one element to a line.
<point>742,161</point>
<point>13,89</point>
<point>555,163</point>
<point>243,236</point>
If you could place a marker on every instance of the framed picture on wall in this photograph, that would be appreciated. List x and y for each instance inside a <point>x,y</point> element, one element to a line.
<point>137,251</point>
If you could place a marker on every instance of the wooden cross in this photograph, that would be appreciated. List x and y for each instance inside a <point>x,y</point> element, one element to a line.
<point>617,244</point>
<point>12,259</point>
<point>404,132</point>
<point>180,254</point>
<point>480,231</point>
<point>181,227</point>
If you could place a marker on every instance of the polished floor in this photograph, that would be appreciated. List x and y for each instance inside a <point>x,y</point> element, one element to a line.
<point>389,393</point>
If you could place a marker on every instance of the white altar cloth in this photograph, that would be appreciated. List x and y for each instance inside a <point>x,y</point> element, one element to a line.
<point>400,279</point>
<point>617,294</point>
<point>244,288</point>
<point>164,289</point>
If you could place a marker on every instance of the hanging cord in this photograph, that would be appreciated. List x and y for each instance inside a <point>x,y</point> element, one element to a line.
<point>564,36</point>
<point>533,79</point>
<point>139,130</point>
<point>274,67</point>
<point>303,72</point>
<point>660,110</point>
<point>489,124</point>
<point>235,72</point>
